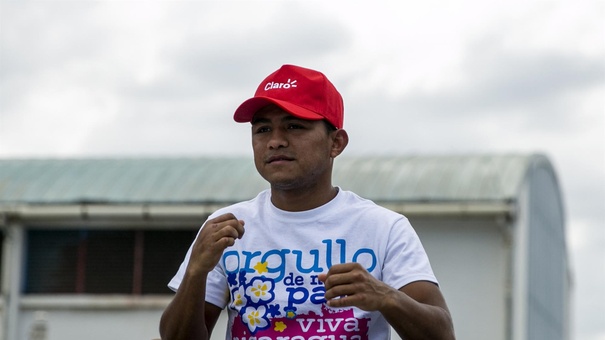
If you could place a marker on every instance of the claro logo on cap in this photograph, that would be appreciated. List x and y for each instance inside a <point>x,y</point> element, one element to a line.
<point>273,85</point>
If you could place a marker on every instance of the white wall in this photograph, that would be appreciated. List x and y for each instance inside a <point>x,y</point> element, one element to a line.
<point>470,258</point>
<point>94,324</point>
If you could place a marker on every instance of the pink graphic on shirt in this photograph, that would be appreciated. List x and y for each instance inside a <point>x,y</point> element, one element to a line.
<point>332,325</point>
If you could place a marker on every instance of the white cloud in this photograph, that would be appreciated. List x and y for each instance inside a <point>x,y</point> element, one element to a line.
<point>163,78</point>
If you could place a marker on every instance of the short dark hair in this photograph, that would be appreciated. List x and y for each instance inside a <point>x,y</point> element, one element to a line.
<point>329,126</point>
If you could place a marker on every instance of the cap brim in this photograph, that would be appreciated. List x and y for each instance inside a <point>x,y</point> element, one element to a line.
<point>245,112</point>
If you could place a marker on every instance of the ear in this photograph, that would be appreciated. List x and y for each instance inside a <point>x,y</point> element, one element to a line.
<point>340,139</point>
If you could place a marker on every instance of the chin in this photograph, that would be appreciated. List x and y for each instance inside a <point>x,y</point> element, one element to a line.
<point>285,184</point>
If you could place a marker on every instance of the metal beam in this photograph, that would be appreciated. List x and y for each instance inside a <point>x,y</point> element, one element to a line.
<point>149,212</point>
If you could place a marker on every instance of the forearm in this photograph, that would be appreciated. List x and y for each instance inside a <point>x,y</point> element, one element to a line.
<point>184,318</point>
<point>188,317</point>
<point>413,320</point>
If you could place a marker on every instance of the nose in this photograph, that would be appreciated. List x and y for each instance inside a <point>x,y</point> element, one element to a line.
<point>277,139</point>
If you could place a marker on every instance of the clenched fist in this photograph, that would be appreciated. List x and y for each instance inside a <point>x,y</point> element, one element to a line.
<point>216,235</point>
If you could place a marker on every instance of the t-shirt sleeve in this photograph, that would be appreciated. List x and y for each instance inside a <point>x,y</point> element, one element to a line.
<point>406,260</point>
<point>216,283</point>
<point>175,283</point>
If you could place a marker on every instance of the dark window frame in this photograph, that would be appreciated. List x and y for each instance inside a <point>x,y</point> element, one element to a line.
<point>154,255</point>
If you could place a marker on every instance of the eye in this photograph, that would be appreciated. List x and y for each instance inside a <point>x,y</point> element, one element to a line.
<point>262,129</point>
<point>294,126</point>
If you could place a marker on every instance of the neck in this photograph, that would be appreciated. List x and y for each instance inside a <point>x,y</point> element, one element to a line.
<point>302,199</point>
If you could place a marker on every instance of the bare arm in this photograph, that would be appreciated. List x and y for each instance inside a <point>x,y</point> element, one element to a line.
<point>416,311</point>
<point>188,316</point>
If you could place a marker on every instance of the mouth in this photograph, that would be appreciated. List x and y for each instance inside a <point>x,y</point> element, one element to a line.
<point>278,159</point>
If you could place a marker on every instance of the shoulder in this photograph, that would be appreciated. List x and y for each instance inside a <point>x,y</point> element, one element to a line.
<point>245,207</point>
<point>357,202</point>
<point>364,209</point>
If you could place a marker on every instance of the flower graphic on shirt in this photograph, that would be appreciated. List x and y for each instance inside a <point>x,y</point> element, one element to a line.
<point>261,267</point>
<point>239,298</point>
<point>280,326</point>
<point>260,289</point>
<point>231,279</point>
<point>242,277</point>
<point>290,312</point>
<point>255,318</point>
<point>273,310</point>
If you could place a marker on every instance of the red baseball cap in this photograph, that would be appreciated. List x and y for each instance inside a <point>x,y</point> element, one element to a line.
<point>302,92</point>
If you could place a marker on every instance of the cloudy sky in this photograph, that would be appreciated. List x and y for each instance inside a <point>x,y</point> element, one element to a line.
<point>162,78</point>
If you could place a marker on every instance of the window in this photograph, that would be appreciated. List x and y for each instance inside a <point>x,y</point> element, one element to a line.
<point>95,261</point>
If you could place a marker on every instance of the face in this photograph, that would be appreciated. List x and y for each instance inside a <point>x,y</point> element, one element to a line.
<point>293,153</point>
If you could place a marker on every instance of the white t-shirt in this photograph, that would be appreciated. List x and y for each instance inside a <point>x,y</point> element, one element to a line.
<point>268,279</point>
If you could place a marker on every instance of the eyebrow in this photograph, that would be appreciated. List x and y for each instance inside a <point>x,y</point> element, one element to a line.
<point>259,120</point>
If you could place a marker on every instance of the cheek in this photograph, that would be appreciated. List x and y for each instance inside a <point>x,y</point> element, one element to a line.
<point>257,147</point>
<point>256,153</point>
<point>318,155</point>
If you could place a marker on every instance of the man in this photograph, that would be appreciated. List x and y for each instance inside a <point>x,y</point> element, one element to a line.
<point>304,259</point>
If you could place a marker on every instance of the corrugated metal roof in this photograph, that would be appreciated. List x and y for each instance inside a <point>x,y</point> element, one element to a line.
<point>437,178</point>
<point>193,180</point>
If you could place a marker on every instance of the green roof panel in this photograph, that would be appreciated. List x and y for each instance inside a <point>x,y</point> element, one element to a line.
<point>208,179</point>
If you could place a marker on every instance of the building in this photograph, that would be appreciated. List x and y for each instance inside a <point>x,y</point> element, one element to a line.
<point>88,245</point>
